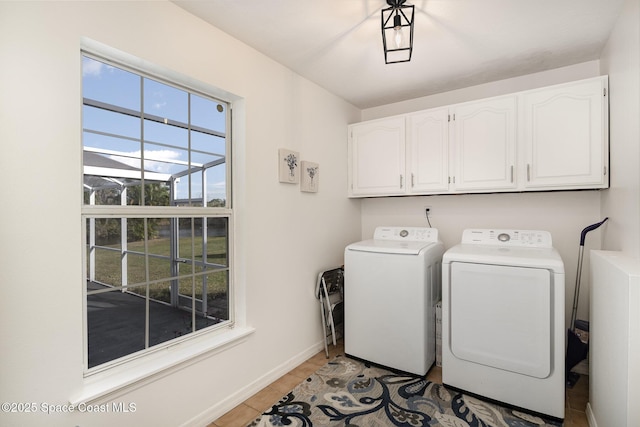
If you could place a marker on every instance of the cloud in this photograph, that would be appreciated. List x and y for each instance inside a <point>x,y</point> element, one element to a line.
<point>91,67</point>
<point>165,160</point>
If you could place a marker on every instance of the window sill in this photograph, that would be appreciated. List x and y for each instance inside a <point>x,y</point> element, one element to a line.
<point>131,375</point>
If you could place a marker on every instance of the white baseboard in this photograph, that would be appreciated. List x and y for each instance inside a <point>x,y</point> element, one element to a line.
<point>591,419</point>
<point>213,413</point>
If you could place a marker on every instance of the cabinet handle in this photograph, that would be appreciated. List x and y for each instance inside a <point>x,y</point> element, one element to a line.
<point>400,180</point>
<point>511,173</point>
<point>528,172</point>
<point>412,181</point>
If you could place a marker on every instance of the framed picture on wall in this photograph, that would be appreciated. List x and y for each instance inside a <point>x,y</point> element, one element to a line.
<point>310,176</point>
<point>288,166</point>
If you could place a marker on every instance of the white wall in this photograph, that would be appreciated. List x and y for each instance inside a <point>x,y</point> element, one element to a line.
<point>621,60</point>
<point>564,214</point>
<point>502,87</point>
<point>284,236</point>
<point>613,388</point>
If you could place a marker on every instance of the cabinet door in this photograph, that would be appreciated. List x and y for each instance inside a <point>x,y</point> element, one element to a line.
<point>377,157</point>
<point>565,136</point>
<point>483,153</point>
<point>427,151</point>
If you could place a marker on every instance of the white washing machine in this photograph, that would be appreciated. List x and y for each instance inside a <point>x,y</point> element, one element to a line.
<point>391,286</point>
<point>503,333</point>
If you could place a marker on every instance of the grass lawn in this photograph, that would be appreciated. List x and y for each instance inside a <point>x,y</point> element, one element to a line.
<point>108,267</point>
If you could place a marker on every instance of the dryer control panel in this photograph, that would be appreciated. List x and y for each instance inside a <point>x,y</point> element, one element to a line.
<point>511,238</point>
<point>414,234</point>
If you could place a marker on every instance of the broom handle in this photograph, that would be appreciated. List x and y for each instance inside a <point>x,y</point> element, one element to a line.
<point>589,228</point>
<point>576,293</point>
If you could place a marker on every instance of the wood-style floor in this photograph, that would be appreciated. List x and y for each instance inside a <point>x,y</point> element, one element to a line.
<point>575,402</point>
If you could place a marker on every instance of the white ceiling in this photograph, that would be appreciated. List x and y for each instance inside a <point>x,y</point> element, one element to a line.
<point>457,43</point>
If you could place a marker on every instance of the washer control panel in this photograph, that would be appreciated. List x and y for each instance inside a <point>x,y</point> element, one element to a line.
<point>414,234</point>
<point>511,238</point>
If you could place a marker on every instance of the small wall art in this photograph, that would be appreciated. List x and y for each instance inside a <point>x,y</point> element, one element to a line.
<point>289,166</point>
<point>310,176</point>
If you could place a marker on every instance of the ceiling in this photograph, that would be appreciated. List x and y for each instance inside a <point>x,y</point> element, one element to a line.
<point>457,43</point>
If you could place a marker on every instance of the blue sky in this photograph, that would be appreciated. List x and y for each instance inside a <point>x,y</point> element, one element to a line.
<point>165,146</point>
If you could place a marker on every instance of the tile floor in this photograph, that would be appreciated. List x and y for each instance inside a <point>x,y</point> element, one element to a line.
<point>250,409</point>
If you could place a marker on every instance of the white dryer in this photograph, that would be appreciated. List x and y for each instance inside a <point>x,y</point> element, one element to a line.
<point>391,286</point>
<point>503,333</point>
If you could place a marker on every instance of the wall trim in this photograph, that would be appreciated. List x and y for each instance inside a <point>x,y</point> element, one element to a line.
<point>213,413</point>
<point>591,419</point>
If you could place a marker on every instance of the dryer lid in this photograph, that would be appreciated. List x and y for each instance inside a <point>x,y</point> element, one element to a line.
<point>525,248</point>
<point>547,258</point>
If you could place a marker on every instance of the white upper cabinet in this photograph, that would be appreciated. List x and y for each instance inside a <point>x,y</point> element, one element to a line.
<point>565,136</point>
<point>377,157</point>
<point>483,152</point>
<point>553,138</point>
<point>428,151</point>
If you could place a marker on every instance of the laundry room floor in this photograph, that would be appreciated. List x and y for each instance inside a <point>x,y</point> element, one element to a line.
<point>575,402</point>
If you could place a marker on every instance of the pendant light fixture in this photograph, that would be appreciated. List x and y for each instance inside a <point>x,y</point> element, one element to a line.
<point>397,31</point>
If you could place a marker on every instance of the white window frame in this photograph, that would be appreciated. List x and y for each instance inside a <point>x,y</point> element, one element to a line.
<point>143,366</point>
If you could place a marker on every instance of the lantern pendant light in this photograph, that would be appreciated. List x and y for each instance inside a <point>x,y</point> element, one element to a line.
<point>397,31</point>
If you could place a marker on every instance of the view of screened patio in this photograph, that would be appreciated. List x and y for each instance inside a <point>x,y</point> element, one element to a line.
<point>149,279</point>
<point>156,212</point>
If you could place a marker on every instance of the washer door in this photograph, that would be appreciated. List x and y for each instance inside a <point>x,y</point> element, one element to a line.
<point>500,316</point>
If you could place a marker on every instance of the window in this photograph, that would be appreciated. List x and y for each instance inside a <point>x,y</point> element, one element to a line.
<point>156,211</point>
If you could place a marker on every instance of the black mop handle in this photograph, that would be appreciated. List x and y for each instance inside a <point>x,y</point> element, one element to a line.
<point>576,291</point>
<point>589,228</point>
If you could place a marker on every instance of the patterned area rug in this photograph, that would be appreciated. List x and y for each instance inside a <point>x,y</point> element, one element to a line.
<point>347,392</point>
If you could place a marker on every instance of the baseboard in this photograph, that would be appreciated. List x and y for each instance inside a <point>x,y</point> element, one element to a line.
<point>213,413</point>
<point>591,419</point>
